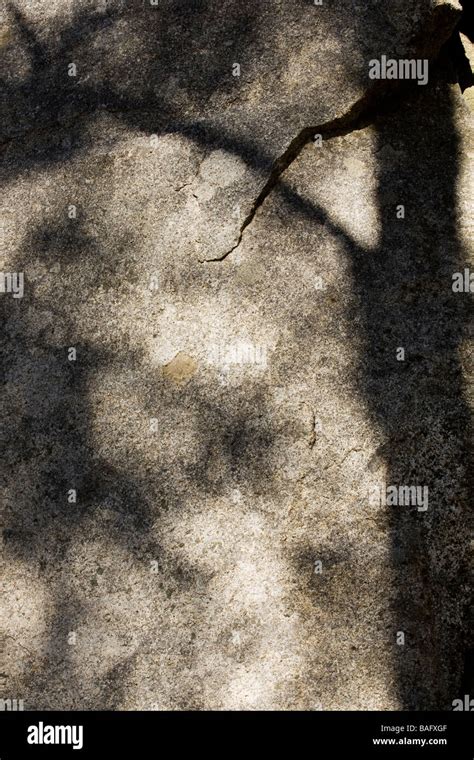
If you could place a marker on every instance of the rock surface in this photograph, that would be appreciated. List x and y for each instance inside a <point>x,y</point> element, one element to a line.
<point>190,443</point>
<point>240,79</point>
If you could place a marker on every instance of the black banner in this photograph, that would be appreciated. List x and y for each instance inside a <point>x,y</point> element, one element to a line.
<point>102,734</point>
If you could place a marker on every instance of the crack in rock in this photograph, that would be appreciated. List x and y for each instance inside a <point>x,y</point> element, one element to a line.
<point>379,100</point>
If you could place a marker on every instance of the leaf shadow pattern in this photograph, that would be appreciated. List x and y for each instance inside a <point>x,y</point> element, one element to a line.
<point>143,97</point>
<point>51,447</point>
<point>396,301</point>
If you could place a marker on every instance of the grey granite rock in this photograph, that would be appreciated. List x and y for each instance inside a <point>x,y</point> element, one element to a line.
<point>244,78</point>
<point>192,447</point>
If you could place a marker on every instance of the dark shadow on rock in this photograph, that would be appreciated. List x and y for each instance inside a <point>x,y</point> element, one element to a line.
<point>405,298</point>
<point>171,42</point>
